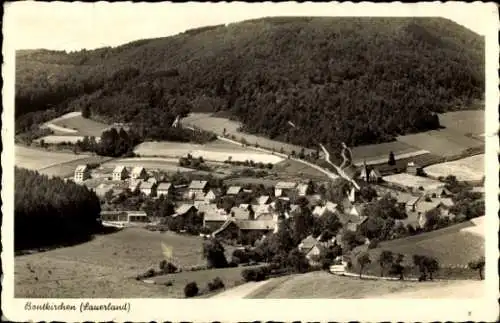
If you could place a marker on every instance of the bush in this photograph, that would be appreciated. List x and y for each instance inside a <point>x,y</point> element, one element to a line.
<point>215,284</point>
<point>167,267</point>
<point>255,274</point>
<point>373,244</point>
<point>191,289</point>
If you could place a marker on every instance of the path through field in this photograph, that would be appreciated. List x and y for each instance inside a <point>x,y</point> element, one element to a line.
<point>242,291</point>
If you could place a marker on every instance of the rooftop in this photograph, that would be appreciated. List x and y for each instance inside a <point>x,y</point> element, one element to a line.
<point>81,168</point>
<point>137,170</point>
<point>233,190</point>
<point>119,169</point>
<point>164,186</point>
<point>285,185</point>
<point>198,185</point>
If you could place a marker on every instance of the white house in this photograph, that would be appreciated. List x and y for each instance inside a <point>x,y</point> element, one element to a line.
<point>164,189</point>
<point>139,172</point>
<point>120,173</point>
<point>282,188</point>
<point>302,189</point>
<point>147,188</point>
<point>321,210</point>
<point>82,172</point>
<point>197,189</point>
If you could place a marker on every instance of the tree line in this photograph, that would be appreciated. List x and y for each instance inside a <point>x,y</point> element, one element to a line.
<point>51,211</point>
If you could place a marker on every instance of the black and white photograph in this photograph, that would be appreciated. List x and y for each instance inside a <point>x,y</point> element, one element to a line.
<point>210,153</point>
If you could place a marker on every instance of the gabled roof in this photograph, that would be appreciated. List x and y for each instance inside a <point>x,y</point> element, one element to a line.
<point>302,188</point>
<point>425,206</point>
<point>239,213</point>
<point>164,186</point>
<point>308,243</point>
<point>375,173</point>
<point>233,190</point>
<point>358,209</point>
<point>81,168</point>
<point>184,208</point>
<point>448,202</point>
<point>262,208</point>
<point>285,185</point>
<point>263,199</point>
<point>256,224</point>
<point>211,213</point>
<point>198,185</point>
<point>119,169</point>
<point>146,185</point>
<point>138,170</point>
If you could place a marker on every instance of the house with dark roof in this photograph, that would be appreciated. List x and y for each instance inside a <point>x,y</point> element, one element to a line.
<point>185,210</point>
<point>197,190</point>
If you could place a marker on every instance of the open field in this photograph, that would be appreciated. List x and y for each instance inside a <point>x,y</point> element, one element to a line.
<point>379,153</point>
<point>218,151</point>
<point>295,168</point>
<point>408,180</point>
<point>445,142</point>
<point>36,159</point>
<point>165,164</point>
<point>465,169</point>
<point>103,267</point>
<point>74,124</point>
<point>326,285</point>
<point>216,124</point>
<point>453,246</point>
<point>229,276</point>
<point>466,122</point>
<point>67,169</point>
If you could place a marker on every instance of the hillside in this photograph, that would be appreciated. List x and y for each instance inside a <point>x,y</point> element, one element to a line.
<point>358,80</point>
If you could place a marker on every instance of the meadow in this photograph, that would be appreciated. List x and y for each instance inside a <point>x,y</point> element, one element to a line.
<point>454,247</point>
<point>465,169</point>
<point>408,180</point>
<point>325,285</point>
<point>74,124</point>
<point>218,151</point>
<point>467,122</point>
<point>104,267</point>
<point>36,159</point>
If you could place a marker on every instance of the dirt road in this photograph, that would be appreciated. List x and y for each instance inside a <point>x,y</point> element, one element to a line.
<point>241,291</point>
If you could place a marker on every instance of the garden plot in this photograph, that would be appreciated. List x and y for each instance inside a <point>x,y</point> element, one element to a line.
<point>217,151</point>
<point>408,180</point>
<point>465,169</point>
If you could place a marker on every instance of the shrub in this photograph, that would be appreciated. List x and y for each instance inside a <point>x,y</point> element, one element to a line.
<point>373,244</point>
<point>191,289</point>
<point>167,267</point>
<point>215,284</point>
<point>169,283</point>
<point>255,274</point>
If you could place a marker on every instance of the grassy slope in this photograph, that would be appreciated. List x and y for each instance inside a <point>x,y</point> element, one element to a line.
<point>313,55</point>
<point>325,285</point>
<point>451,246</point>
<point>102,267</point>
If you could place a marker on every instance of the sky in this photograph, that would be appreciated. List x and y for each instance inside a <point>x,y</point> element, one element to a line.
<point>74,26</point>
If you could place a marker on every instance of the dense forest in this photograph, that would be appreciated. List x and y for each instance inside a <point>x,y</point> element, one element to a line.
<point>50,211</point>
<point>357,80</point>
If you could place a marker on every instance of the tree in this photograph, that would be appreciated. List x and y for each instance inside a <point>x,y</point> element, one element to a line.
<point>191,289</point>
<point>86,112</point>
<point>363,260</point>
<point>213,252</point>
<point>418,261</point>
<point>431,265</point>
<point>392,159</point>
<point>478,265</point>
<point>385,259</point>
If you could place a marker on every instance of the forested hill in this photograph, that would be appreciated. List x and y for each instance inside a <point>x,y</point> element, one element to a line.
<point>357,80</point>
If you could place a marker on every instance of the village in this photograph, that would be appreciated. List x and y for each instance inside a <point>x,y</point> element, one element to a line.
<point>261,215</point>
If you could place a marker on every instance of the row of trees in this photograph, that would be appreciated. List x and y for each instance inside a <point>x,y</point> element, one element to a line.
<point>50,211</point>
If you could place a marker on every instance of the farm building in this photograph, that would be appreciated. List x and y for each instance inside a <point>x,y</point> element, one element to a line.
<point>82,172</point>
<point>124,218</point>
<point>165,189</point>
<point>213,218</point>
<point>284,188</point>
<point>120,173</point>
<point>197,189</point>
<point>139,172</point>
<point>414,169</point>
<point>264,199</point>
<point>322,210</point>
<point>147,188</point>
<point>232,229</point>
<point>185,210</point>
<point>303,189</point>
<point>234,190</point>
